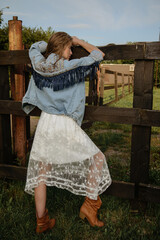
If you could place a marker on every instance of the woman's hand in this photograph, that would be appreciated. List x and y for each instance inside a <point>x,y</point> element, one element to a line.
<point>89,47</point>
<point>75,41</point>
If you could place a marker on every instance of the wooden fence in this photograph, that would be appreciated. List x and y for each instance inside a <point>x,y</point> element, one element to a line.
<point>141,116</point>
<point>115,84</point>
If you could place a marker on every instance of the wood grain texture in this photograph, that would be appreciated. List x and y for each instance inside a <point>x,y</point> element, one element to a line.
<point>112,52</point>
<point>141,135</point>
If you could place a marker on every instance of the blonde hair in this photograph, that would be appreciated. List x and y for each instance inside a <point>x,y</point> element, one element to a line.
<point>57,43</point>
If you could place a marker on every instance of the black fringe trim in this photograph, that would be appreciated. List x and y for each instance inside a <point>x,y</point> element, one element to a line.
<point>66,79</point>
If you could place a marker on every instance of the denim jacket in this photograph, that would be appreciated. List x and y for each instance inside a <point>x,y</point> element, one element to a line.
<point>57,86</point>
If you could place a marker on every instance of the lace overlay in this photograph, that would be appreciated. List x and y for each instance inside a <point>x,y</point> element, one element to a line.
<point>64,156</point>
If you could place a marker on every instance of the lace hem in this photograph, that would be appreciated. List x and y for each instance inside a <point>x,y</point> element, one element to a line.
<point>86,178</point>
<point>71,187</point>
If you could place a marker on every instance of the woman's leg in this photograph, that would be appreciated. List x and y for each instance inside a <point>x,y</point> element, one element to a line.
<point>40,199</point>
<point>94,176</point>
<point>44,223</point>
<point>93,202</point>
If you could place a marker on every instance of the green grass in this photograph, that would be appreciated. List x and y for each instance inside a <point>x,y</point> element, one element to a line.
<point>128,100</point>
<point>17,209</point>
<point>109,95</point>
<point>18,220</point>
<point>156,98</point>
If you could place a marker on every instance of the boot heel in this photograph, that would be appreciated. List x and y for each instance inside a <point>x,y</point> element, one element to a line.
<point>81,215</point>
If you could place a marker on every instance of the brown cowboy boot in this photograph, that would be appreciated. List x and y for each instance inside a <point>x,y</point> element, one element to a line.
<point>89,210</point>
<point>44,223</point>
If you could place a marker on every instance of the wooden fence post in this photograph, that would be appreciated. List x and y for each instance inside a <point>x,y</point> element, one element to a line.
<point>123,85</point>
<point>133,83</point>
<point>116,86</point>
<point>102,76</point>
<point>17,91</point>
<point>5,129</point>
<point>128,83</point>
<point>90,91</point>
<point>95,91</point>
<point>140,148</point>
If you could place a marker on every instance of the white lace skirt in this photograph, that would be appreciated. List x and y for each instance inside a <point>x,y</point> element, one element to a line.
<point>64,156</point>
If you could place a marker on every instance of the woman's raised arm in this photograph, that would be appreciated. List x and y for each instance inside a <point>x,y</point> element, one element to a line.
<point>89,47</point>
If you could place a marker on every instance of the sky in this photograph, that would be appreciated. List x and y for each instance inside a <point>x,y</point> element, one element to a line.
<point>99,22</point>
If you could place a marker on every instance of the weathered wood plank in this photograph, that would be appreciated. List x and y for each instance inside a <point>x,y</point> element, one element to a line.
<point>140,117</point>
<point>13,57</point>
<point>104,113</point>
<point>113,86</point>
<point>145,192</point>
<point>13,172</point>
<point>134,116</point>
<point>152,50</point>
<point>15,108</point>
<point>121,189</point>
<point>116,86</point>
<point>5,129</point>
<point>101,79</point>
<point>112,52</point>
<point>149,193</point>
<point>140,149</point>
<point>123,85</point>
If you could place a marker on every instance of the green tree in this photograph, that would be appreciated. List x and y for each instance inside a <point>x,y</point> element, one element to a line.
<point>29,36</point>
<point>1,19</point>
<point>1,13</point>
<point>4,37</point>
<point>157,73</point>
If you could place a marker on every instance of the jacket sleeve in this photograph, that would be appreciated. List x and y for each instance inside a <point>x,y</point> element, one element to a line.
<point>94,56</point>
<point>36,50</point>
<point>37,59</point>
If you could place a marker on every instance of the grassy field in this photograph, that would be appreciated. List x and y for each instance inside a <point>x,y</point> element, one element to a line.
<point>17,210</point>
<point>109,95</point>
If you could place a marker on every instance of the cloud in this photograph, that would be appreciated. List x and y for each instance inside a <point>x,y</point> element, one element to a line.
<point>17,14</point>
<point>145,14</point>
<point>116,15</point>
<point>95,13</point>
<point>78,25</point>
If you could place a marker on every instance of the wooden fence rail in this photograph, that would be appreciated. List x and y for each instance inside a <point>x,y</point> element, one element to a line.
<point>133,116</point>
<point>114,85</point>
<point>141,116</point>
<point>138,51</point>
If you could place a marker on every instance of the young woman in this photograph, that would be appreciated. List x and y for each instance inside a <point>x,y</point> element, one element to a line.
<point>62,155</point>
